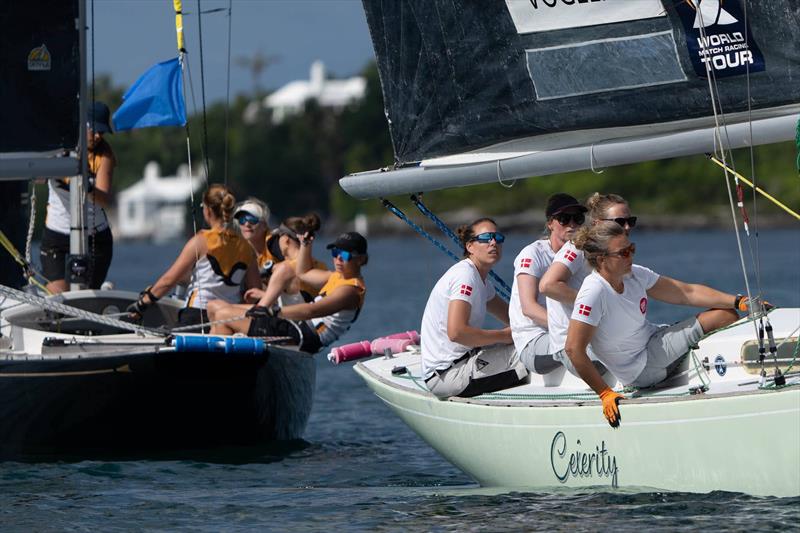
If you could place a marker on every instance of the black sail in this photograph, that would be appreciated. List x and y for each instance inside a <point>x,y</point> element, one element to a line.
<point>40,69</point>
<point>461,75</point>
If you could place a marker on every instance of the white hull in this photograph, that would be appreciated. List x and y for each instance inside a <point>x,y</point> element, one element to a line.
<point>735,437</point>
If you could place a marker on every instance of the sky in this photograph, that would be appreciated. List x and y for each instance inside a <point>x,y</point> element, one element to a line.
<point>132,35</point>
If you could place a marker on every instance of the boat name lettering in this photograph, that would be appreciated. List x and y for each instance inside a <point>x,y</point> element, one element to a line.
<point>581,463</point>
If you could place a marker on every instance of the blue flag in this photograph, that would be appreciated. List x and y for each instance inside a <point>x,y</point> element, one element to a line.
<point>156,99</point>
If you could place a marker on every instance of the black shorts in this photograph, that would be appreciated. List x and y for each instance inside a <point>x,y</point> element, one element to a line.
<point>270,326</point>
<point>55,249</point>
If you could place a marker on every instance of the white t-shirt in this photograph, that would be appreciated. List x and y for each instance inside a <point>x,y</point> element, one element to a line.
<point>461,282</point>
<point>621,320</point>
<point>558,313</point>
<point>533,260</point>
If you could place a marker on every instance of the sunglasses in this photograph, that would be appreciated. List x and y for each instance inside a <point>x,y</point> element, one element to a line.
<point>630,221</point>
<point>345,255</point>
<point>625,252</point>
<point>485,238</point>
<point>565,218</point>
<point>246,217</point>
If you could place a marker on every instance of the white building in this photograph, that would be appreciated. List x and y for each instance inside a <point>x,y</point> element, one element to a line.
<point>155,207</point>
<point>292,97</point>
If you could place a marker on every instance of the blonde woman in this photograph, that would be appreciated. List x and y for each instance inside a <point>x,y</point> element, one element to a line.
<point>218,259</point>
<point>610,312</point>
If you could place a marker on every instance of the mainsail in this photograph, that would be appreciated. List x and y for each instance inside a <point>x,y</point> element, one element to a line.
<point>481,91</point>
<point>40,69</point>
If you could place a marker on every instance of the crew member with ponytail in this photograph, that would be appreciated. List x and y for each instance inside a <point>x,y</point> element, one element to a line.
<point>218,259</point>
<point>611,312</point>
<point>459,357</point>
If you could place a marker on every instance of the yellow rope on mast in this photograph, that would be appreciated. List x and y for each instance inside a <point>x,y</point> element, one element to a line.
<point>756,188</point>
<point>178,5</point>
<point>6,243</point>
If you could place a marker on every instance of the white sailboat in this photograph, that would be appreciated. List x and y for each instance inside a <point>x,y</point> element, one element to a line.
<point>518,89</point>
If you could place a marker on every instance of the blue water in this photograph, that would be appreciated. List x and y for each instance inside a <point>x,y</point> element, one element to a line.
<point>359,467</point>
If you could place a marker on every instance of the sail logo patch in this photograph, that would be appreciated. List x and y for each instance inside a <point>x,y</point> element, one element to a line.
<point>570,256</point>
<point>39,58</point>
<point>643,305</point>
<point>525,263</point>
<point>584,310</point>
<point>717,38</point>
<point>710,12</point>
<point>466,290</point>
<point>532,16</point>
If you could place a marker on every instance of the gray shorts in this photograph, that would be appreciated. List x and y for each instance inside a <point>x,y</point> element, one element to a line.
<point>665,347</point>
<point>536,355</point>
<point>488,369</point>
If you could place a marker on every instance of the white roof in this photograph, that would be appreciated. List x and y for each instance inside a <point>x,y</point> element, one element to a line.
<point>329,93</point>
<point>166,189</point>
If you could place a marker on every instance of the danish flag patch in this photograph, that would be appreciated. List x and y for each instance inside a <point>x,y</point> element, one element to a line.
<point>466,290</point>
<point>584,310</point>
<point>525,263</point>
<point>570,256</point>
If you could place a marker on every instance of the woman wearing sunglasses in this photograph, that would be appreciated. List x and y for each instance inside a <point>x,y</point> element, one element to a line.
<point>283,286</point>
<point>218,260</point>
<point>527,308</point>
<point>459,357</point>
<point>611,312</point>
<point>252,217</point>
<point>560,283</point>
<point>319,323</point>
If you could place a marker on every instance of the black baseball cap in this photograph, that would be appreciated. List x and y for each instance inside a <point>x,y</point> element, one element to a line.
<point>561,202</point>
<point>99,118</point>
<point>352,241</point>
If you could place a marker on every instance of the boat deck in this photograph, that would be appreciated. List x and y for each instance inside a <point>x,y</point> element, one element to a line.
<point>725,363</point>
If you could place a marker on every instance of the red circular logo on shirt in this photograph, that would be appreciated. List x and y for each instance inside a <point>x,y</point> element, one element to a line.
<point>643,305</point>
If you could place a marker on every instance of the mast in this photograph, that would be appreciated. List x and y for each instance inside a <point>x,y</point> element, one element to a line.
<point>77,262</point>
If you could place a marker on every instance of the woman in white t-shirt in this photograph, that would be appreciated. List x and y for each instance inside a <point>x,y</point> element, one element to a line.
<point>562,280</point>
<point>527,308</point>
<point>610,311</point>
<point>459,357</point>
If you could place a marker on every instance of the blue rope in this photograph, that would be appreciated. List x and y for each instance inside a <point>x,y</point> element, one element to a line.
<point>447,231</point>
<point>402,216</point>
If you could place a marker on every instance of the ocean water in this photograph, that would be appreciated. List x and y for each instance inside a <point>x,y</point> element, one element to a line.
<point>359,467</point>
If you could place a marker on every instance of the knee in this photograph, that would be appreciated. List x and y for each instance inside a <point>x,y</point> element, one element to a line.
<point>214,308</point>
<point>717,318</point>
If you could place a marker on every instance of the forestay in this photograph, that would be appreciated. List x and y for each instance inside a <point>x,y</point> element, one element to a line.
<point>481,91</point>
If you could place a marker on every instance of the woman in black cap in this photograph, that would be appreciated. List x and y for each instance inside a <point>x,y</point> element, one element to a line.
<point>564,277</point>
<point>315,324</point>
<point>55,240</point>
<point>527,309</point>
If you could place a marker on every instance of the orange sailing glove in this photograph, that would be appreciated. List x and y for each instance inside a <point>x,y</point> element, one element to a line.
<point>610,401</point>
<point>743,304</point>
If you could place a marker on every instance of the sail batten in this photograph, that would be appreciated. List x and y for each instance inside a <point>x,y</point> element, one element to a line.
<point>470,83</point>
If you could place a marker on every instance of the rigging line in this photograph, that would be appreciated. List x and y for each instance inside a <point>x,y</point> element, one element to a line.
<point>756,188</point>
<point>64,309</point>
<point>450,233</point>
<point>714,91</point>
<point>756,258</point>
<point>203,86</point>
<point>402,216</point>
<point>500,177</point>
<point>228,95</point>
